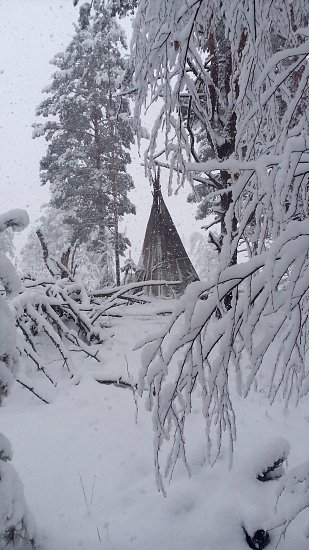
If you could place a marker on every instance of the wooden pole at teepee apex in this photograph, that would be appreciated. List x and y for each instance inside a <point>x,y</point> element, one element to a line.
<point>156,184</point>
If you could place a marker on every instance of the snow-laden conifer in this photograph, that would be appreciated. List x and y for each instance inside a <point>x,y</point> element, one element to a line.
<point>89,134</point>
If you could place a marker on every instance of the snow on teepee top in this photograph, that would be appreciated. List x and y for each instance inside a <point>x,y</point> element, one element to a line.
<point>163,255</point>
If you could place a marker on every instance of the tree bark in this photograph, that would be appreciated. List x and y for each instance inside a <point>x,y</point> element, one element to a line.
<point>115,196</point>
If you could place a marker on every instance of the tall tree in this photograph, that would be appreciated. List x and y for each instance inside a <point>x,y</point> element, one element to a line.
<point>267,191</point>
<point>89,134</point>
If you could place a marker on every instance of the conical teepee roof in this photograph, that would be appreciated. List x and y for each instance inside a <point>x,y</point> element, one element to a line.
<point>163,255</point>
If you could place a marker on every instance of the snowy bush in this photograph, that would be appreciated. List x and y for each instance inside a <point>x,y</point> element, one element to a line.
<point>16,529</point>
<point>10,282</point>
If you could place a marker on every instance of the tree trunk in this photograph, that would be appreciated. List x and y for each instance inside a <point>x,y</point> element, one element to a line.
<point>115,196</point>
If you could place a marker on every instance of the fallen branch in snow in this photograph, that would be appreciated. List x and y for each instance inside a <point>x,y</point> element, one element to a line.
<point>272,472</point>
<point>30,387</point>
<point>72,320</point>
<point>120,290</point>
<point>268,463</point>
<point>58,311</point>
<point>120,383</point>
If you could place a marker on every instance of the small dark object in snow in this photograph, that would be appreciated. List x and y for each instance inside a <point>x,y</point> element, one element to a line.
<point>260,539</point>
<point>273,472</point>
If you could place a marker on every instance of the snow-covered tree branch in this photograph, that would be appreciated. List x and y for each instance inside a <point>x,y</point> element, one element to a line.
<point>16,524</point>
<point>249,107</point>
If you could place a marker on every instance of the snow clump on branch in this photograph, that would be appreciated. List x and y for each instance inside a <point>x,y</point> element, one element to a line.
<point>16,525</point>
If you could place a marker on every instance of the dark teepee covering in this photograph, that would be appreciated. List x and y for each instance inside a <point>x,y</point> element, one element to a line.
<point>163,255</point>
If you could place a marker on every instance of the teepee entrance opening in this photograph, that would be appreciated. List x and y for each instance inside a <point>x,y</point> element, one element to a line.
<point>163,255</point>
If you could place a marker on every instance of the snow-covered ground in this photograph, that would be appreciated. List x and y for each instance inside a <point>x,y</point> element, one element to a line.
<point>86,462</point>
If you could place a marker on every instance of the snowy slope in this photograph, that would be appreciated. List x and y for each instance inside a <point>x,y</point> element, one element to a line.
<point>87,465</point>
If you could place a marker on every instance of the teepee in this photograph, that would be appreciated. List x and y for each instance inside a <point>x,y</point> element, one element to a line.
<point>163,255</point>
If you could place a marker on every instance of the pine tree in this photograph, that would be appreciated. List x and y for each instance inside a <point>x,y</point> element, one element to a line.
<point>89,134</point>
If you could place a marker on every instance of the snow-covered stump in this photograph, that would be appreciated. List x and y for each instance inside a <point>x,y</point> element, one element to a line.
<point>16,526</point>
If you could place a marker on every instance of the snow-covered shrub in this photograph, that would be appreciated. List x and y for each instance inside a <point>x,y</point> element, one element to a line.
<point>10,283</point>
<point>16,529</point>
<point>55,311</point>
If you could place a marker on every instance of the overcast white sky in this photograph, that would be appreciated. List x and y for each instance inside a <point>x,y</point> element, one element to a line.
<point>32,32</point>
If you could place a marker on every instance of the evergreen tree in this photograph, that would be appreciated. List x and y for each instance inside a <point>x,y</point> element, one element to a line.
<point>89,134</point>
